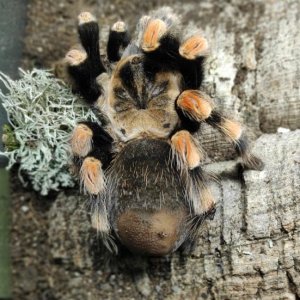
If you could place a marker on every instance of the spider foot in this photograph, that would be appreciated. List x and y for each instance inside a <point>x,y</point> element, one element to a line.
<point>81,141</point>
<point>195,105</point>
<point>75,57</point>
<point>88,31</point>
<point>85,17</point>
<point>234,131</point>
<point>207,202</point>
<point>92,176</point>
<point>249,161</point>
<point>155,29</point>
<point>100,222</point>
<point>118,40</point>
<point>185,146</point>
<point>119,27</point>
<point>194,47</point>
<point>253,163</point>
<point>199,193</point>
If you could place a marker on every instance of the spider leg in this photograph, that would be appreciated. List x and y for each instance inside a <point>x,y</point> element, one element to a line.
<point>93,183</point>
<point>189,153</point>
<point>118,38</point>
<point>99,218</point>
<point>194,107</point>
<point>84,65</point>
<point>233,130</point>
<point>91,146</point>
<point>194,225</point>
<point>164,51</point>
<point>88,31</point>
<point>193,52</point>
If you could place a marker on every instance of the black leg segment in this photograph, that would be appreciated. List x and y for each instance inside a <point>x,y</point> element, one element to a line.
<point>118,40</point>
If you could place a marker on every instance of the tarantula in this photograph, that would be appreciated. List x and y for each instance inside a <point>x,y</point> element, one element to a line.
<point>149,96</point>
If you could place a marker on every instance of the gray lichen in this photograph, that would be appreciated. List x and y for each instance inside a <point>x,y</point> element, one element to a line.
<point>42,112</point>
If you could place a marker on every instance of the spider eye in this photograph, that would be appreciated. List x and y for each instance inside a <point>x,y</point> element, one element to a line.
<point>159,89</point>
<point>123,100</point>
<point>121,93</point>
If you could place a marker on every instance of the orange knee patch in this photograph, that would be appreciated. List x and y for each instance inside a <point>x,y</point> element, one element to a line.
<point>194,105</point>
<point>75,57</point>
<point>184,145</point>
<point>193,47</point>
<point>91,175</point>
<point>231,129</point>
<point>81,141</point>
<point>153,32</point>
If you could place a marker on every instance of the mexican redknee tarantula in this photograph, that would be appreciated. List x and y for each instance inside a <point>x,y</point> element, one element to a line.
<point>150,98</point>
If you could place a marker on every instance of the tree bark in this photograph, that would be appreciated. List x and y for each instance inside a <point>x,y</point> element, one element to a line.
<point>251,250</point>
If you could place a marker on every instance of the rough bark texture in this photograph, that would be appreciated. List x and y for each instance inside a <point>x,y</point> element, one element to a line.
<point>251,250</point>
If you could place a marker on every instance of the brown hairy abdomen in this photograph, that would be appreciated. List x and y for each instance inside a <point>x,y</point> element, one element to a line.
<point>150,213</point>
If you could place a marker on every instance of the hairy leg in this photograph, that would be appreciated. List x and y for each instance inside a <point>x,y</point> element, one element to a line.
<point>91,146</point>
<point>188,153</point>
<point>194,107</point>
<point>84,64</point>
<point>118,39</point>
<point>161,44</point>
<point>88,31</point>
<point>233,130</point>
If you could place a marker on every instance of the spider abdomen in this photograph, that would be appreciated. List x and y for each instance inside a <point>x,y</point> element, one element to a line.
<point>151,232</point>
<point>149,215</point>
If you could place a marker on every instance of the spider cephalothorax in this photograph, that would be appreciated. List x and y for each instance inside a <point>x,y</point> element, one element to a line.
<point>151,102</point>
